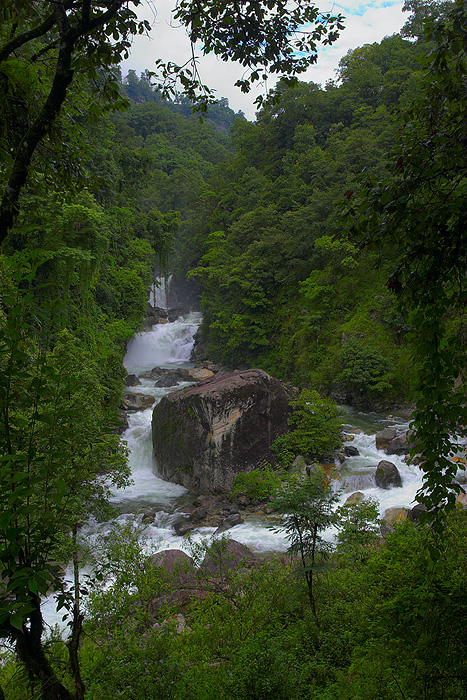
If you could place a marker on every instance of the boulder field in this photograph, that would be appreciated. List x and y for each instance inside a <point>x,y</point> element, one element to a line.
<point>204,435</point>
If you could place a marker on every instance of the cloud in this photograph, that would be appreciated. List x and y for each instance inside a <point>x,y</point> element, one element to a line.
<point>365,23</point>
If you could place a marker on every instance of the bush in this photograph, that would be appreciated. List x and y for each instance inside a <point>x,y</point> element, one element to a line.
<point>315,429</point>
<point>365,370</point>
<point>258,485</point>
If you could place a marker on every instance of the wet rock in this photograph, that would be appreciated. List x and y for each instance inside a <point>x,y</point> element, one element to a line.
<point>161,373</point>
<point>131,380</point>
<point>196,374</point>
<point>416,512</point>
<point>384,437</point>
<point>354,498</point>
<point>350,451</point>
<point>175,312</point>
<point>135,401</point>
<point>229,522</point>
<point>204,435</point>
<point>387,475</point>
<point>182,528</point>
<point>400,445</point>
<point>159,312</point>
<point>347,438</point>
<point>169,380</point>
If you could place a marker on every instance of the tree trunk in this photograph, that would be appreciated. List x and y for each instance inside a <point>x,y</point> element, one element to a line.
<point>31,653</point>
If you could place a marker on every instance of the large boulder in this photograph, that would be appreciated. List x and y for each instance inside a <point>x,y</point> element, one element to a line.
<point>204,435</point>
<point>384,437</point>
<point>400,445</point>
<point>225,555</point>
<point>387,475</point>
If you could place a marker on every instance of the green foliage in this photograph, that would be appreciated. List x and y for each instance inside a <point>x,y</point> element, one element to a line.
<point>358,525</point>
<point>307,506</point>
<point>258,484</point>
<point>418,203</point>
<point>282,284</point>
<point>314,430</point>
<point>364,369</point>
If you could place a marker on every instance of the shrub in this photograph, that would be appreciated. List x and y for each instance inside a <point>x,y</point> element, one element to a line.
<point>315,429</point>
<point>258,485</point>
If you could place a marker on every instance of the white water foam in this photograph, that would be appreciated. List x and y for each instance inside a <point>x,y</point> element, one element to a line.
<point>159,293</point>
<point>165,344</point>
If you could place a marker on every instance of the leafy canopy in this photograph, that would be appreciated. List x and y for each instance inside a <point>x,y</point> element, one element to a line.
<point>418,203</point>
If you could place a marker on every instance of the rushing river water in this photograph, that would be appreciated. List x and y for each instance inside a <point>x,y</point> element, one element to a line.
<point>169,345</point>
<point>154,504</point>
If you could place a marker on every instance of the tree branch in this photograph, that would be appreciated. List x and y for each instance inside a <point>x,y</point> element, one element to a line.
<point>26,37</point>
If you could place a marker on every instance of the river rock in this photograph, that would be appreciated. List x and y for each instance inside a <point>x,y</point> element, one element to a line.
<point>350,451</point>
<point>175,562</point>
<point>387,475</point>
<point>354,498</point>
<point>227,555</point>
<point>170,379</point>
<point>175,313</point>
<point>135,401</point>
<point>400,445</point>
<point>204,435</point>
<point>131,380</point>
<point>160,372</point>
<point>384,437</point>
<point>196,374</point>
<point>159,312</point>
<point>228,522</point>
<point>395,515</point>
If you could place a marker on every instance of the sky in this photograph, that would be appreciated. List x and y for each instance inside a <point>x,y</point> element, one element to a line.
<point>365,23</point>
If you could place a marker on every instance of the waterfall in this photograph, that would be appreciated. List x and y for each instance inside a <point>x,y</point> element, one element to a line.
<point>155,503</point>
<point>159,295</point>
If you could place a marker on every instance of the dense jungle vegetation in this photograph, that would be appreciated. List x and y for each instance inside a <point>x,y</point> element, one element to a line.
<point>328,241</point>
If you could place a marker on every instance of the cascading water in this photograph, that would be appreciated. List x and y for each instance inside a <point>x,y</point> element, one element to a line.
<point>154,503</point>
<point>167,345</point>
<point>158,296</point>
<point>358,473</point>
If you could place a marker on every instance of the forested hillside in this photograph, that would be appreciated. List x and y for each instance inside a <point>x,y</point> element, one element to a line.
<point>327,240</point>
<point>285,286</point>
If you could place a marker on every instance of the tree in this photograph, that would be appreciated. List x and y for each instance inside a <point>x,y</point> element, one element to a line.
<point>418,204</point>
<point>43,46</point>
<point>314,427</point>
<point>307,507</point>
<point>53,450</point>
<point>47,46</point>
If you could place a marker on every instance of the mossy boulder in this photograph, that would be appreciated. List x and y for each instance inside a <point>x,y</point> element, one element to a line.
<point>204,435</point>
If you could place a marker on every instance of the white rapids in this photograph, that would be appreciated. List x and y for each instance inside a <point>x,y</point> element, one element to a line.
<point>153,505</point>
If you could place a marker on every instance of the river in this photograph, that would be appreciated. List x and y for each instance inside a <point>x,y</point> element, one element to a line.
<point>152,504</point>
